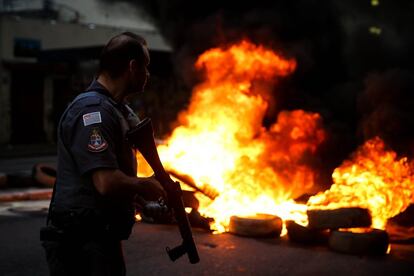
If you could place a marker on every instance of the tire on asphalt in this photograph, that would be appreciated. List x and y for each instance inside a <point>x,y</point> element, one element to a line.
<point>44,174</point>
<point>261,225</point>
<point>352,217</point>
<point>373,242</point>
<point>304,235</point>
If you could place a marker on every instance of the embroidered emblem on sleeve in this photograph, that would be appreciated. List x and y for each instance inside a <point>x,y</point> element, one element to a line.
<point>97,143</point>
<point>92,118</point>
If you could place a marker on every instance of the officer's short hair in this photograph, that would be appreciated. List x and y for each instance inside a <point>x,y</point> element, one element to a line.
<point>117,53</point>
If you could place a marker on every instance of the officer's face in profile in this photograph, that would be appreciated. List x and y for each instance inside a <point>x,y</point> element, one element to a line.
<point>138,74</point>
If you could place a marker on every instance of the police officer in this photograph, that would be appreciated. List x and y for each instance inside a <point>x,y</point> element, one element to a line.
<point>92,208</point>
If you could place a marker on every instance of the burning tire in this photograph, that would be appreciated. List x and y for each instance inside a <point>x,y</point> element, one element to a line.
<point>373,242</point>
<point>262,225</point>
<point>44,174</point>
<point>301,234</point>
<point>339,218</point>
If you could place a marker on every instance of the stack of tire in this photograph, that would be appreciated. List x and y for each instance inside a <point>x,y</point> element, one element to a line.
<point>346,230</point>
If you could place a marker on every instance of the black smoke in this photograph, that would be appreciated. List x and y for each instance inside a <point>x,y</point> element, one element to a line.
<point>386,108</point>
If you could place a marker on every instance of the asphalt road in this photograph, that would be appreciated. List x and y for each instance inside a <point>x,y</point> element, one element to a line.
<point>225,254</point>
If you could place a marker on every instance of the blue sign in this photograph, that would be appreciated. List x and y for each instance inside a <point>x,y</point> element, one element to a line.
<point>26,47</point>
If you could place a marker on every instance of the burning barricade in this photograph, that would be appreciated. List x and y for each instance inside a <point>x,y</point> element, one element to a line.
<point>240,169</point>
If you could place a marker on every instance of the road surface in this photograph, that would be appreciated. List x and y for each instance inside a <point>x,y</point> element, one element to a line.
<point>225,254</point>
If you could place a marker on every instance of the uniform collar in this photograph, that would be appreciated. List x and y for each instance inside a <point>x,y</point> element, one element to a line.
<point>97,87</point>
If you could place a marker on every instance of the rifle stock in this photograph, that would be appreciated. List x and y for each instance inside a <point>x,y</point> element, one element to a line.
<point>142,138</point>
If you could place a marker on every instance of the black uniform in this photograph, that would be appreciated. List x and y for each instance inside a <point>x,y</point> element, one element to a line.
<point>89,226</point>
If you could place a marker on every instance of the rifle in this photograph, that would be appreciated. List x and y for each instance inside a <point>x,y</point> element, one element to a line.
<point>142,138</point>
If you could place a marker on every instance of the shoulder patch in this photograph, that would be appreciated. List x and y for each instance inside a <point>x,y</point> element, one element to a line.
<point>97,142</point>
<point>92,118</point>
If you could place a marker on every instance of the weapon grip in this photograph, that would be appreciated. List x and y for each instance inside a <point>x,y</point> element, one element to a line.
<point>180,250</point>
<point>176,252</point>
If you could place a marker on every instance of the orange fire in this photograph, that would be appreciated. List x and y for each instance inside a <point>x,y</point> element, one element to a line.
<point>374,178</point>
<point>221,141</point>
<point>222,144</point>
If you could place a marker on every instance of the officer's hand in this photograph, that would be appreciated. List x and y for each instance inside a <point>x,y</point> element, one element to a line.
<point>154,209</point>
<point>151,189</point>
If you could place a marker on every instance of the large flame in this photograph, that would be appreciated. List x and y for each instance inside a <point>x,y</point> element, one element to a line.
<point>221,141</point>
<point>374,178</point>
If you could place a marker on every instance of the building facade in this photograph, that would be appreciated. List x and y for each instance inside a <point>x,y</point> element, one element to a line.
<point>48,54</point>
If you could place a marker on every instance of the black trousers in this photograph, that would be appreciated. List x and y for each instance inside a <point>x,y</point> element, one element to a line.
<point>92,258</point>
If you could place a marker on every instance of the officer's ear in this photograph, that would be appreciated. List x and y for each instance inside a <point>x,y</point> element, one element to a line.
<point>133,66</point>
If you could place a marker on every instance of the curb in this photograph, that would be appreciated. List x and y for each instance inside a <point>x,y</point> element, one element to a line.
<point>26,195</point>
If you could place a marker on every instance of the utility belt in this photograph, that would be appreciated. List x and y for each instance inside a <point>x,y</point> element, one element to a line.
<point>83,225</point>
